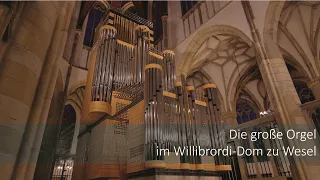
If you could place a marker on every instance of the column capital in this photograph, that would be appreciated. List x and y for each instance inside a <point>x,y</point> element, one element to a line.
<point>229,115</point>
<point>165,17</point>
<point>314,85</point>
<point>314,82</point>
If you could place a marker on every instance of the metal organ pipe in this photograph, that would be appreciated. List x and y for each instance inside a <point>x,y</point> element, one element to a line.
<point>141,52</point>
<point>215,126</point>
<point>169,69</point>
<point>103,75</point>
<point>153,111</point>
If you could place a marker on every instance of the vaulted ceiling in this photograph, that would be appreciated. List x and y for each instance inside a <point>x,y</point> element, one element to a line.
<point>229,62</point>
<point>298,36</point>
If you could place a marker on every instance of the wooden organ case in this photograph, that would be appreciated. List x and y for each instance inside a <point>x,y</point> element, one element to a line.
<point>130,81</point>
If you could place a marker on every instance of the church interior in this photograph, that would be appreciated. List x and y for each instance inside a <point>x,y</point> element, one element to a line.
<point>107,90</point>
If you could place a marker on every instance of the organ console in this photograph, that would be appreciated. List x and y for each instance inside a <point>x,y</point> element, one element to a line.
<point>125,66</point>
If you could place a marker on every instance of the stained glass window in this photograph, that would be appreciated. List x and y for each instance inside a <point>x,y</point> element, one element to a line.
<point>245,111</point>
<point>94,18</point>
<point>305,94</point>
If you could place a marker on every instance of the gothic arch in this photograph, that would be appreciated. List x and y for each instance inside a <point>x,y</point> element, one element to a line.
<point>298,34</point>
<point>223,52</point>
<point>200,38</point>
<point>127,7</point>
<point>292,32</point>
<point>272,19</point>
<point>75,99</point>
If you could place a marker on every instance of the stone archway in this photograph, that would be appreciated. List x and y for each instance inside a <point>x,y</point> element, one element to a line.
<point>224,53</point>
<point>200,38</point>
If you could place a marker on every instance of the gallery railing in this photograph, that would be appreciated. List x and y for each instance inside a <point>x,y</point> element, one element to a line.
<point>200,13</point>
<point>63,168</point>
<point>263,166</point>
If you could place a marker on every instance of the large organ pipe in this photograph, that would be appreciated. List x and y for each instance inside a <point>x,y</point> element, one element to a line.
<point>217,141</point>
<point>169,69</point>
<point>141,51</point>
<point>183,118</point>
<point>103,75</point>
<point>193,121</point>
<point>153,111</point>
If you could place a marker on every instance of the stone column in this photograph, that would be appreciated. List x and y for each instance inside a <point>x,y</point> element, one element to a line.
<point>32,139</point>
<point>19,75</point>
<point>71,32</point>
<point>230,120</point>
<point>314,85</point>
<point>165,32</point>
<point>150,2</point>
<point>79,44</point>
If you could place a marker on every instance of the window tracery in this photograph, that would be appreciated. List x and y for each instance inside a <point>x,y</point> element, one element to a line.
<point>305,94</point>
<point>245,111</point>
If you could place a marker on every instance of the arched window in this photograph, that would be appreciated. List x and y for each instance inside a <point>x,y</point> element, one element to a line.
<point>94,17</point>
<point>245,111</point>
<point>67,130</point>
<point>305,94</point>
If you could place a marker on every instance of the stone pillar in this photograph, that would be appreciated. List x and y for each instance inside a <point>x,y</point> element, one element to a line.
<point>32,139</point>
<point>71,32</point>
<point>79,44</point>
<point>314,85</point>
<point>230,120</point>
<point>19,75</point>
<point>165,32</point>
<point>150,2</point>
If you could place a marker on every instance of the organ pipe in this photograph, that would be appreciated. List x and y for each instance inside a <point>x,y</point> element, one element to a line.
<point>103,71</point>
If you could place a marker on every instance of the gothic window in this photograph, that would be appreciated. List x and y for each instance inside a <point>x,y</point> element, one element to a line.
<point>67,129</point>
<point>187,5</point>
<point>245,111</point>
<point>94,17</point>
<point>305,94</point>
<point>316,119</point>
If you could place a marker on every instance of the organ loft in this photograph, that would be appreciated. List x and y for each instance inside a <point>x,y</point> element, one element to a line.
<point>159,90</point>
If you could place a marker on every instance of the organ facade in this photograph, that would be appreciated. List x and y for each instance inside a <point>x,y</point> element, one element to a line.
<point>132,83</point>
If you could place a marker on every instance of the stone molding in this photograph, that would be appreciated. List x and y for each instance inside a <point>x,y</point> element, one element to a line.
<point>314,82</point>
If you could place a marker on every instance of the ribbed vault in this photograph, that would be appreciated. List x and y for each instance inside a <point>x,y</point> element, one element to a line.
<point>298,36</point>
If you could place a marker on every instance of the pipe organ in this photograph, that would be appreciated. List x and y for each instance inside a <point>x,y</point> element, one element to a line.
<point>124,66</point>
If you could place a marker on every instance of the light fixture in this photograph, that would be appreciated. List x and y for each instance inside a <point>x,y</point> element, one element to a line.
<point>265,113</point>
